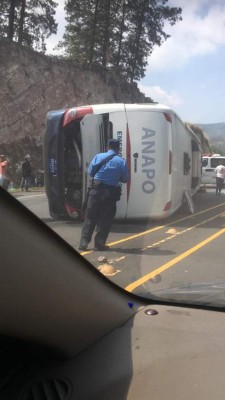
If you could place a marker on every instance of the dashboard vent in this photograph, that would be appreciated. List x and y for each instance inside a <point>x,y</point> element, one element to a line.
<point>47,389</point>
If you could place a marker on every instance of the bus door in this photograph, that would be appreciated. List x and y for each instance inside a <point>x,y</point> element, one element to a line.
<point>93,142</point>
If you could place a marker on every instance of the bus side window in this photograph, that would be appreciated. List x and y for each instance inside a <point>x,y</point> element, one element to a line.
<point>109,131</point>
<point>108,128</point>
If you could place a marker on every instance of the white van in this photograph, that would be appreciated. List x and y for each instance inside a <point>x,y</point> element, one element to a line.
<point>209,164</point>
<point>163,156</point>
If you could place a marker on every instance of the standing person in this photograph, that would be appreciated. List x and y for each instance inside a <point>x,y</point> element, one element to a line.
<point>26,173</point>
<point>220,176</point>
<point>5,175</point>
<point>107,170</point>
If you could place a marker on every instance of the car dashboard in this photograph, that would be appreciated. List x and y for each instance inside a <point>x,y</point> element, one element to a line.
<point>68,333</point>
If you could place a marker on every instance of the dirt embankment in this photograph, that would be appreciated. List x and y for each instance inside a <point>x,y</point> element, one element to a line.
<point>33,84</point>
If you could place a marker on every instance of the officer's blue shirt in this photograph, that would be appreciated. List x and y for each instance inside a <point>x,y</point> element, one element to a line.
<point>111,173</point>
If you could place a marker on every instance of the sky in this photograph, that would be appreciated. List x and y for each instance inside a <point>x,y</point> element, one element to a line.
<point>187,72</point>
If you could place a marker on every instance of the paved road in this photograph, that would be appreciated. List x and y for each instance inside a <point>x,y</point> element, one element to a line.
<point>148,256</point>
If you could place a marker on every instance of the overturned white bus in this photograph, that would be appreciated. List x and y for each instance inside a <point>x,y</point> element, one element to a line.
<point>163,156</point>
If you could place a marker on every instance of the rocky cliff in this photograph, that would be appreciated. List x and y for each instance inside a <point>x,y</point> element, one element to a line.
<point>32,84</point>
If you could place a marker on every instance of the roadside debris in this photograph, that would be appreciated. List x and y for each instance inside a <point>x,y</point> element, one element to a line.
<point>102,259</point>
<point>172,231</point>
<point>107,269</point>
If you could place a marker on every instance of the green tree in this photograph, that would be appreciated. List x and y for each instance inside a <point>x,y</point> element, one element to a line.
<point>116,34</point>
<point>120,30</point>
<point>80,30</point>
<point>28,22</point>
<point>12,6</point>
<point>6,17</point>
<point>147,20</point>
<point>90,30</point>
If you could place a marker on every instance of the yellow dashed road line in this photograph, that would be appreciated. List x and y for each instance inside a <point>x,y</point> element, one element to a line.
<point>156,228</point>
<point>182,232</point>
<point>169,264</point>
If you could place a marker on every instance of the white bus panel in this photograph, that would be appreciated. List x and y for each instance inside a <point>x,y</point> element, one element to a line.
<point>163,156</point>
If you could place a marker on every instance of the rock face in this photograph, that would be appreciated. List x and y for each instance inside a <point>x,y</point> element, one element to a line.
<point>33,84</point>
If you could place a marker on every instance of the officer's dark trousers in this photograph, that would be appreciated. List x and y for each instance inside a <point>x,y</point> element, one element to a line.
<point>100,213</point>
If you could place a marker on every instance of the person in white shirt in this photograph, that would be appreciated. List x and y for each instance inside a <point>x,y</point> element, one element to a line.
<point>220,176</point>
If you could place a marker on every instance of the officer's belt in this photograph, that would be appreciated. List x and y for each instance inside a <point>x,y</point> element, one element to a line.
<point>99,184</point>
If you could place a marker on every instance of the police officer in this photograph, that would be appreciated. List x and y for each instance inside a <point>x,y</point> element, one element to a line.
<point>101,205</point>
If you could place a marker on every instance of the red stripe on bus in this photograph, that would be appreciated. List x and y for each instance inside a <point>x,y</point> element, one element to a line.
<point>128,157</point>
<point>76,113</point>
<point>167,206</point>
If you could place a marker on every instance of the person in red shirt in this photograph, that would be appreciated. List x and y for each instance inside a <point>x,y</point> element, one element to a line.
<point>4,172</point>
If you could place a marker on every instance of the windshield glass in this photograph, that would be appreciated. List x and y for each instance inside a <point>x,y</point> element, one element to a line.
<point>204,162</point>
<point>107,151</point>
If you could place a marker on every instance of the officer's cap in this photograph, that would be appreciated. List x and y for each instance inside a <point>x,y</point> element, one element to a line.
<point>114,143</point>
